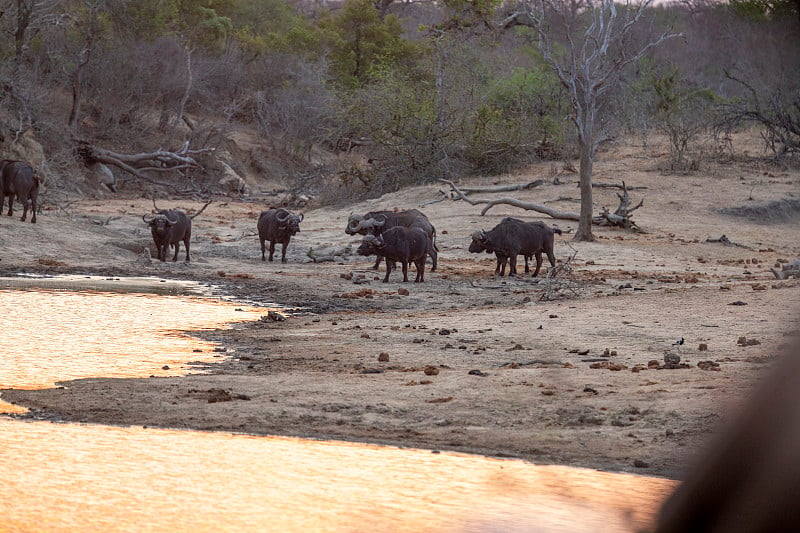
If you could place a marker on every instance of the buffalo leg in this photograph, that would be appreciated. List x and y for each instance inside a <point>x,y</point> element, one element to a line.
<point>389,265</point>
<point>377,262</point>
<point>186,244</point>
<point>527,266</point>
<point>11,205</point>
<point>25,207</point>
<point>405,271</point>
<point>177,248</point>
<point>434,257</point>
<point>271,249</point>
<point>512,265</point>
<point>420,270</point>
<point>283,252</point>
<point>538,264</point>
<point>552,258</point>
<point>263,249</point>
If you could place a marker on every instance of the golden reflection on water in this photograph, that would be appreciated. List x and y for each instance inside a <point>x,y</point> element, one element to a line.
<point>55,336</point>
<point>70,477</point>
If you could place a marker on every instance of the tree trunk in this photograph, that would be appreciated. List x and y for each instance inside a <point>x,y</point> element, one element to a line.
<point>584,231</point>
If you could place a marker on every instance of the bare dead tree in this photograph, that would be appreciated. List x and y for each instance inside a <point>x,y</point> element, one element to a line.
<point>597,48</point>
<point>90,34</point>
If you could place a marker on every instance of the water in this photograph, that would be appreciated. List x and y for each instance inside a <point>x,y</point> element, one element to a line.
<point>76,477</point>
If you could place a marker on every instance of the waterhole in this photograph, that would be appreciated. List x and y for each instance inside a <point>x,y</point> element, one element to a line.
<point>78,477</point>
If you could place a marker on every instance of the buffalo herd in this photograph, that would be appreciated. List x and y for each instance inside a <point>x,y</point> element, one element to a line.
<point>393,236</point>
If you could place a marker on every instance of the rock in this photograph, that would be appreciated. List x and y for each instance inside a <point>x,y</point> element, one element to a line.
<point>476,372</point>
<point>638,463</point>
<point>444,332</point>
<point>672,358</point>
<point>738,302</point>
<point>403,292</point>
<point>431,370</point>
<point>703,347</point>
<point>383,357</point>
<point>708,365</point>
<point>744,341</point>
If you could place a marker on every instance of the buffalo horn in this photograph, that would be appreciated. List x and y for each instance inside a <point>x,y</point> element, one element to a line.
<point>282,218</point>
<point>171,221</point>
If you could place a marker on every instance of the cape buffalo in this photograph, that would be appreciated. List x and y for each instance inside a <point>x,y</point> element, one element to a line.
<point>18,178</point>
<point>277,225</point>
<point>170,227</point>
<point>513,237</point>
<point>376,222</point>
<point>402,244</point>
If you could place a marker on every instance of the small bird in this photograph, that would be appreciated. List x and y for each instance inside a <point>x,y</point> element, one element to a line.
<point>678,342</point>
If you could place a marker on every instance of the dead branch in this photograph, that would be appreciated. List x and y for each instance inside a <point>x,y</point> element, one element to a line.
<point>159,161</point>
<point>622,216</point>
<point>530,206</point>
<point>442,197</point>
<point>727,242</point>
<point>616,186</point>
<point>501,188</point>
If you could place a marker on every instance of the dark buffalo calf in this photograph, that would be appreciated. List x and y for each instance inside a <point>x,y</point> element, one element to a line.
<point>19,179</point>
<point>399,244</point>
<point>376,222</point>
<point>277,225</point>
<point>170,228</point>
<point>513,237</point>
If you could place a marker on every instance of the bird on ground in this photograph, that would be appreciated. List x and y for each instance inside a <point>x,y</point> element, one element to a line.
<point>678,342</point>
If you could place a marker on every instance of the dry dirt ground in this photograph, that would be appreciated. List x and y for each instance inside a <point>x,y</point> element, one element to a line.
<point>476,363</point>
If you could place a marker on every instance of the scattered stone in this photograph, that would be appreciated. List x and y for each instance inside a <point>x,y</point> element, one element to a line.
<point>653,364</point>
<point>553,316</point>
<point>197,350</point>
<point>708,365</point>
<point>669,433</point>
<point>403,292</point>
<point>759,287</point>
<point>440,400</point>
<point>372,371</point>
<point>638,463</point>
<point>431,370</point>
<point>548,392</point>
<point>425,382</point>
<point>476,372</point>
<point>365,335</point>
<point>589,389</point>
<point>744,341</point>
<point>672,358</point>
<point>615,367</point>
<point>165,367</point>
<point>383,357</point>
<point>273,316</point>
<point>348,276</point>
<point>738,302</point>
<point>444,331</point>
<point>613,353</point>
<point>703,347</point>
<point>606,352</point>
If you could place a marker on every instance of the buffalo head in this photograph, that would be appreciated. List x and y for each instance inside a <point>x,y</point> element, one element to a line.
<point>479,242</point>
<point>371,245</point>
<point>289,222</point>
<point>159,222</point>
